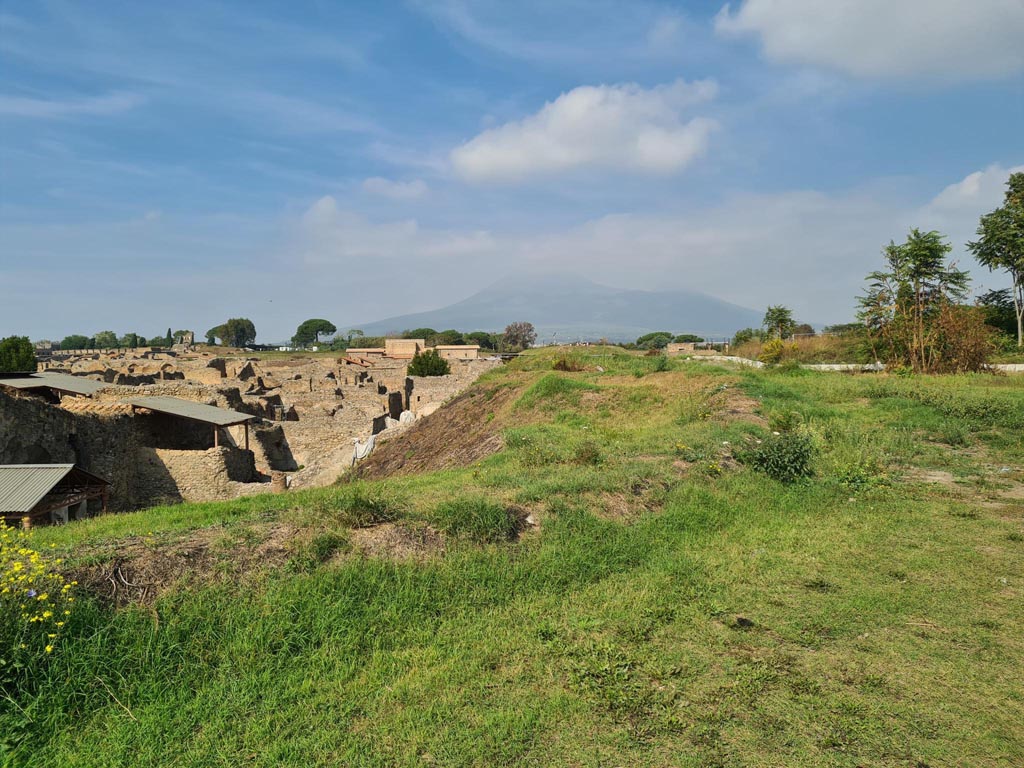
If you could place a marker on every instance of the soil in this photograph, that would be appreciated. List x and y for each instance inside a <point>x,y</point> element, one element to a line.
<point>456,435</point>
<point>140,569</point>
<point>398,541</point>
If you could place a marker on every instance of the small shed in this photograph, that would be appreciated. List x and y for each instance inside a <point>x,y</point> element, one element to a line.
<point>48,492</point>
<point>188,409</point>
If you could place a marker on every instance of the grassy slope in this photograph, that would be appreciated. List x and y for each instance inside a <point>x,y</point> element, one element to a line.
<point>661,616</point>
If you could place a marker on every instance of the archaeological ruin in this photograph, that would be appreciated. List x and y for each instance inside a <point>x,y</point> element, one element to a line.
<point>171,425</point>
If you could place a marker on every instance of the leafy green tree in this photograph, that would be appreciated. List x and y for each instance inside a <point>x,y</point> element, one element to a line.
<point>106,340</point>
<point>17,354</point>
<point>903,302</point>
<point>1000,312</point>
<point>168,338</point>
<point>1000,245</point>
<point>778,321</point>
<point>841,329</point>
<point>448,338</point>
<point>236,332</point>
<point>687,338</point>
<point>655,340</point>
<point>747,334</point>
<point>519,336</point>
<point>803,329</point>
<point>217,332</point>
<point>428,363</point>
<point>130,341</point>
<point>309,332</point>
<point>481,338</point>
<point>420,333</point>
<point>76,341</point>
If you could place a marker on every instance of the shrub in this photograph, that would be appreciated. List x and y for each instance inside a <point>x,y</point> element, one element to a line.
<point>783,456</point>
<point>588,453</point>
<point>17,355</point>
<point>568,364</point>
<point>356,507</point>
<point>478,519</point>
<point>772,351</point>
<point>35,603</point>
<point>429,363</point>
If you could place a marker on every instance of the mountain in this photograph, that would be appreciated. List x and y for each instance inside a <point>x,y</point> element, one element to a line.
<point>566,308</point>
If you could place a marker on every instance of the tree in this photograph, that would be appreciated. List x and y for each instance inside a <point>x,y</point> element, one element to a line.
<point>803,329</point>
<point>420,333</point>
<point>130,341</point>
<point>168,338</point>
<point>999,310</point>
<point>309,332</point>
<point>902,303</point>
<point>778,321</point>
<point>747,334</point>
<point>17,354</point>
<point>76,341</point>
<point>106,340</point>
<point>428,363</point>
<point>236,332</point>
<point>448,338</point>
<point>519,336</point>
<point>655,340</point>
<point>482,339</point>
<point>687,338</point>
<point>1000,245</point>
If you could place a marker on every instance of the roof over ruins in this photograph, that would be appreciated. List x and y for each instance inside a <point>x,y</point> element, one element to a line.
<point>23,486</point>
<point>61,382</point>
<point>188,409</point>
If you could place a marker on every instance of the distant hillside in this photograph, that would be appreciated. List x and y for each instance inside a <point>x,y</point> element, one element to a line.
<point>569,307</point>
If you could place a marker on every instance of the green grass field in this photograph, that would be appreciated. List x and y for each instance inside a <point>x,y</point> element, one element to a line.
<point>668,605</point>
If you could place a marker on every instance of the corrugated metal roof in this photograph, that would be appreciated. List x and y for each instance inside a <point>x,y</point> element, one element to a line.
<point>22,486</point>
<point>54,380</point>
<point>187,409</point>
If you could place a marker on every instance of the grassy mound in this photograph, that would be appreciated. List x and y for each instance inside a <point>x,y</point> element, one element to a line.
<point>667,605</point>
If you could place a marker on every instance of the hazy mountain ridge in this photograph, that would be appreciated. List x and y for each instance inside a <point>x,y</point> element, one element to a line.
<point>565,308</point>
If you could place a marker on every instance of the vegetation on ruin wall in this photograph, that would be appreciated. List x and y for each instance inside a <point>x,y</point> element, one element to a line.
<point>675,607</point>
<point>17,355</point>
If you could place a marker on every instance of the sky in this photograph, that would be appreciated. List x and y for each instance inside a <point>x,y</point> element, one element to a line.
<point>176,164</point>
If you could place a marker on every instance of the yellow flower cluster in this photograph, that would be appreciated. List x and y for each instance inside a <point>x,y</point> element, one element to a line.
<point>35,599</point>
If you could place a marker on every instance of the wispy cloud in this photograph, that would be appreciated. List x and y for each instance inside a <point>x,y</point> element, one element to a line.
<point>396,190</point>
<point>28,107</point>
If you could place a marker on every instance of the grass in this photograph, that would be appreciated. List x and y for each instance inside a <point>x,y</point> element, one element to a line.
<point>661,615</point>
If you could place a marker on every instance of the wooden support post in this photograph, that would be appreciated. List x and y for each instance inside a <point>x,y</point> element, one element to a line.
<point>247,435</point>
<point>216,437</point>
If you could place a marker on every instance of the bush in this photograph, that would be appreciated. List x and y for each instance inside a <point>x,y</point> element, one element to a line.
<point>784,456</point>
<point>478,519</point>
<point>357,508</point>
<point>35,603</point>
<point>429,363</point>
<point>17,354</point>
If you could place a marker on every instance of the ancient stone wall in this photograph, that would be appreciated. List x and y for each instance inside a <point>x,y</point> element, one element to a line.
<point>170,475</point>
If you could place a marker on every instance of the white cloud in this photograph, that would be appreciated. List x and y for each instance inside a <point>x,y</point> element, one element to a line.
<point>619,127</point>
<point>977,193</point>
<point>665,33</point>
<point>396,190</point>
<point>23,106</point>
<point>954,39</point>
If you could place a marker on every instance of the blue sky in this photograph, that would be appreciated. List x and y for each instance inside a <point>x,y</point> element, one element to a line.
<point>178,164</point>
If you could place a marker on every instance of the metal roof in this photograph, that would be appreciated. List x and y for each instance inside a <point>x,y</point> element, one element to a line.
<point>62,382</point>
<point>188,409</point>
<point>22,486</point>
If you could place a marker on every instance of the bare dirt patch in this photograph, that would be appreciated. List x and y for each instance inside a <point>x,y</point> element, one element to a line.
<point>398,541</point>
<point>140,569</point>
<point>463,431</point>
